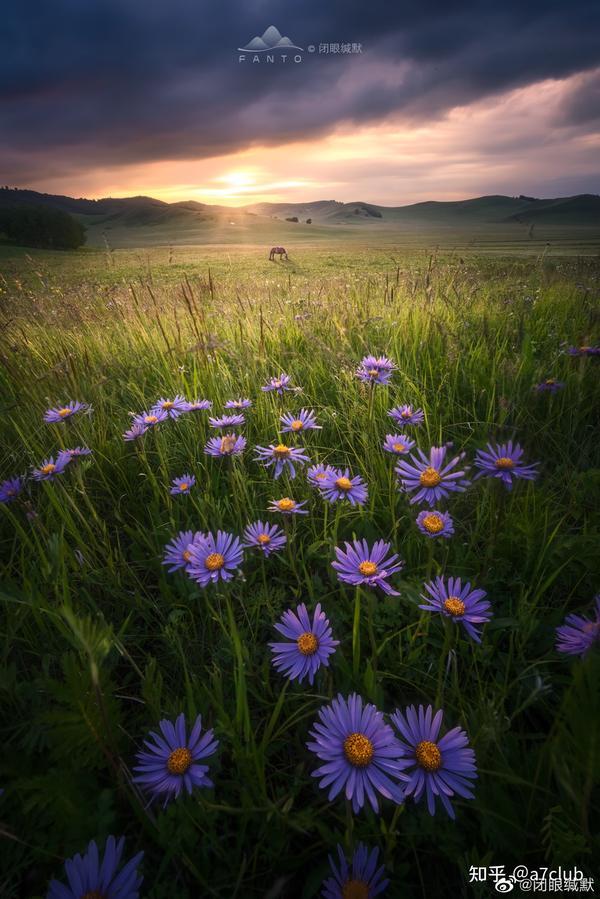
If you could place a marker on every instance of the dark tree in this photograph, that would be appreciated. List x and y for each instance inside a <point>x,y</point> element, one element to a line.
<point>36,226</point>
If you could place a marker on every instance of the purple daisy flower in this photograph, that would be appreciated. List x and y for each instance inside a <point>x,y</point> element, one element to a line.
<point>214,558</point>
<point>399,444</point>
<point>311,645</point>
<point>150,419</point>
<point>61,413</point>
<point>382,362</point>
<point>361,565</point>
<point>173,408</point>
<point>360,752</point>
<point>278,384</point>
<point>445,767</point>
<point>266,537</point>
<point>550,385</point>
<point>280,456</point>
<point>360,880</point>
<point>430,477</point>
<point>182,485</point>
<point>578,634</point>
<point>198,406</point>
<point>75,453</point>
<point>134,432</point>
<point>406,415</point>
<point>287,506</point>
<point>238,404</point>
<point>461,604</point>
<point>305,420</point>
<point>177,552</point>
<point>339,484</point>
<point>316,474</point>
<point>10,489</point>
<point>49,469</point>
<point>227,445</point>
<point>227,421</point>
<point>504,461</point>
<point>584,350</point>
<point>174,761</point>
<point>435,524</point>
<point>375,370</point>
<point>88,876</point>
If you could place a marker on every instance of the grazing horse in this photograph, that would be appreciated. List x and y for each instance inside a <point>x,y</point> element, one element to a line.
<point>277,251</point>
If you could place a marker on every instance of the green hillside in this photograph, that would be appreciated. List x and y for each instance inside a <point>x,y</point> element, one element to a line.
<point>498,223</point>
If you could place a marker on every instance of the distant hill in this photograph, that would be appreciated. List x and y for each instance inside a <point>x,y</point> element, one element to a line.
<point>582,209</point>
<point>140,221</point>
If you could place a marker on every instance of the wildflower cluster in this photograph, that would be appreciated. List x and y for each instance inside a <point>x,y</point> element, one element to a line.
<point>362,753</point>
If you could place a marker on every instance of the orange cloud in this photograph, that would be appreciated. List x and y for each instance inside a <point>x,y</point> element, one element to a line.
<point>516,142</point>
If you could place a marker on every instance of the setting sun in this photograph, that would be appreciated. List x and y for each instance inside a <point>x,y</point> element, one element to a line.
<point>237,179</point>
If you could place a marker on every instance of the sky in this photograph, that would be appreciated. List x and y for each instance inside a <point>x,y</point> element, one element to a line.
<point>388,103</point>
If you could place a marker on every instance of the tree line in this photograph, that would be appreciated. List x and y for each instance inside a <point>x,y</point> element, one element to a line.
<point>40,226</point>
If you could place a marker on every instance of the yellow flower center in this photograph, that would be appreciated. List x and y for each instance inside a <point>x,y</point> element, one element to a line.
<point>398,447</point>
<point>405,414</point>
<point>373,372</point>
<point>504,462</point>
<point>179,760</point>
<point>307,644</point>
<point>286,505</point>
<point>263,539</point>
<point>433,523</point>
<point>276,383</point>
<point>281,450</point>
<point>367,568</point>
<point>344,484</point>
<point>428,755</point>
<point>430,477</point>
<point>227,444</point>
<point>186,555</point>
<point>64,412</point>
<point>358,749</point>
<point>150,419</point>
<point>48,469</point>
<point>550,381</point>
<point>297,425</point>
<point>214,561</point>
<point>583,349</point>
<point>168,405</point>
<point>184,485</point>
<point>355,889</point>
<point>321,475</point>
<point>455,606</point>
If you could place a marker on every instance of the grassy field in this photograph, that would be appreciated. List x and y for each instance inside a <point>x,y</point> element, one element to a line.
<point>99,642</point>
<point>247,230</point>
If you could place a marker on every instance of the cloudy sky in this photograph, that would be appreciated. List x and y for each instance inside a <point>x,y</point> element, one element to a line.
<point>444,101</point>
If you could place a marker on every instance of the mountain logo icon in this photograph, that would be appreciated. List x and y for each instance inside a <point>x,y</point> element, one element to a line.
<point>271,39</point>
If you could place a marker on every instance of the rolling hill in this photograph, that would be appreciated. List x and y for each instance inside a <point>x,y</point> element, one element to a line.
<point>491,210</point>
<point>144,221</point>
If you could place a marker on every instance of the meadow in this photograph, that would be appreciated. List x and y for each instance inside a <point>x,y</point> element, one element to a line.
<point>100,642</point>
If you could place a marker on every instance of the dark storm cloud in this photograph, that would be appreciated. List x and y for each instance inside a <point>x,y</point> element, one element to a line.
<point>105,83</point>
<point>581,105</point>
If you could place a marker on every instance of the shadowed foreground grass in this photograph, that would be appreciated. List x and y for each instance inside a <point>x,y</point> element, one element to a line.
<point>99,643</point>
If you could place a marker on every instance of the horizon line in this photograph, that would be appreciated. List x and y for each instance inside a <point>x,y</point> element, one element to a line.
<point>8,188</point>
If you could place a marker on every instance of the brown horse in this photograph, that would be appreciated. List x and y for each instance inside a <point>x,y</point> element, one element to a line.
<point>277,251</point>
